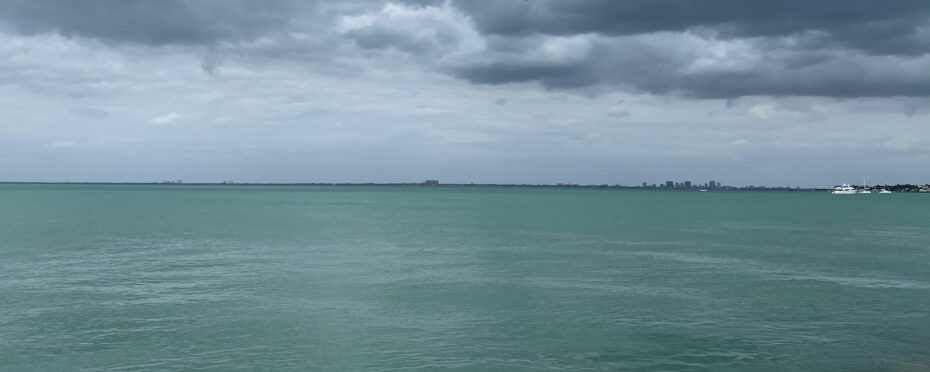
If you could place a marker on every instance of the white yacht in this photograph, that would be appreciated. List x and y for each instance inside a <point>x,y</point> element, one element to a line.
<point>885,191</point>
<point>844,190</point>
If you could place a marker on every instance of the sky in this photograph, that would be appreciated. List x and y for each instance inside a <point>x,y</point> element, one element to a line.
<point>764,92</point>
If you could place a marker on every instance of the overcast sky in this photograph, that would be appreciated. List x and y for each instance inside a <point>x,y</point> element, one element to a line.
<point>786,92</point>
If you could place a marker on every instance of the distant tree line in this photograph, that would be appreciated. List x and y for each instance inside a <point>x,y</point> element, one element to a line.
<point>902,187</point>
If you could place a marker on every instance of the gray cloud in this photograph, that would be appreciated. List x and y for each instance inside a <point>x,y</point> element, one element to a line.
<point>696,49</point>
<point>90,112</point>
<point>859,23</point>
<point>709,49</point>
<point>211,62</point>
<point>154,22</point>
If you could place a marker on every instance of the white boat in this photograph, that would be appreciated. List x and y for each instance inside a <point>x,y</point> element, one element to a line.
<point>885,191</point>
<point>844,190</point>
<point>864,189</point>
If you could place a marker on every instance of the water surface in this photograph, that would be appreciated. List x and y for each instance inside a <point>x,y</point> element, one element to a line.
<point>126,278</point>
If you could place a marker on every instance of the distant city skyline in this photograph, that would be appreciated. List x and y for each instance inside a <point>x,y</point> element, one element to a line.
<point>811,94</point>
<point>669,185</point>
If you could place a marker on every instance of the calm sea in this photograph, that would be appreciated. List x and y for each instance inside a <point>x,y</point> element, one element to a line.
<point>126,278</point>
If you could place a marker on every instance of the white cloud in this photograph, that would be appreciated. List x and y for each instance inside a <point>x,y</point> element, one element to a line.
<point>165,119</point>
<point>571,49</point>
<point>763,111</point>
<point>433,30</point>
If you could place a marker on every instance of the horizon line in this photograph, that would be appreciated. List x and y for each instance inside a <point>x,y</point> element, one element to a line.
<point>436,184</point>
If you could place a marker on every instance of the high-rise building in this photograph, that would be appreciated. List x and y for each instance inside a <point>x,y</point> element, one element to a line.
<point>669,184</point>
<point>644,185</point>
<point>687,184</point>
<point>713,184</point>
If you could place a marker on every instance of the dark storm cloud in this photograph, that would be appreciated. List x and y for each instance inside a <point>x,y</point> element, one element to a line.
<point>154,22</point>
<point>818,48</point>
<point>864,24</point>
<point>551,75</point>
<point>640,67</point>
<point>706,48</point>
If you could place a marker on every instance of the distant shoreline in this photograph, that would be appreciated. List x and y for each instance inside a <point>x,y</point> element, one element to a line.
<point>897,188</point>
<point>413,184</point>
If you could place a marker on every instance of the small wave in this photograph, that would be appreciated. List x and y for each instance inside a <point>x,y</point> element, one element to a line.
<point>776,273</point>
<point>861,282</point>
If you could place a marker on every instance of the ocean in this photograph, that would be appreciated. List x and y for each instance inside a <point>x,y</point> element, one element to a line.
<point>381,278</point>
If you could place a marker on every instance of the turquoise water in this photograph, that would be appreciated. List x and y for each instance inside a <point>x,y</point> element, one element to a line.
<point>124,278</point>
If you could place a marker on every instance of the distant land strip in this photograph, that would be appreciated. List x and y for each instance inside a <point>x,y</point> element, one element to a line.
<point>894,188</point>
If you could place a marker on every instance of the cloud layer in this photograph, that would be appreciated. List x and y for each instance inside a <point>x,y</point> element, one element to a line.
<point>506,91</point>
<point>714,49</point>
<point>152,22</point>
